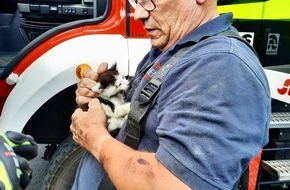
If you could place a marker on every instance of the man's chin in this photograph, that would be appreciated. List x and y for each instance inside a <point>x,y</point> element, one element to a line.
<point>156,44</point>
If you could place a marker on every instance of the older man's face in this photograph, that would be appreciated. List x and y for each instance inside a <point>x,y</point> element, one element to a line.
<point>164,24</point>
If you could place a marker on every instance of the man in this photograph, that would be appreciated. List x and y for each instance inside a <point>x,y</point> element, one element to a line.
<point>209,120</point>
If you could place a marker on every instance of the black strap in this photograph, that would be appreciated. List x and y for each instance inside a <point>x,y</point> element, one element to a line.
<point>134,129</point>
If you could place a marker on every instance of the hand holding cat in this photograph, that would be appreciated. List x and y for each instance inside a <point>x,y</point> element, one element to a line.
<point>91,133</point>
<point>88,130</point>
<point>89,79</point>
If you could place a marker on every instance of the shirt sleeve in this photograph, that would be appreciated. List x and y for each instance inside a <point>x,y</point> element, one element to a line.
<point>213,117</point>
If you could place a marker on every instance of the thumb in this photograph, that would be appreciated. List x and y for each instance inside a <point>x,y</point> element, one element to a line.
<point>94,104</point>
<point>89,73</point>
<point>96,109</point>
<point>102,67</point>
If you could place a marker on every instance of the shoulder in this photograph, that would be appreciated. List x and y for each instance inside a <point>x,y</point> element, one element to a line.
<point>223,44</point>
<point>223,59</point>
<point>213,54</point>
<point>222,51</point>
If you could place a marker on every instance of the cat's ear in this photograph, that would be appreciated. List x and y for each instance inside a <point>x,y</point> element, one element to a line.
<point>114,66</point>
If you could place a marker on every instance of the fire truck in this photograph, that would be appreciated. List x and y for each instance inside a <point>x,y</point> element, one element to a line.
<point>42,42</point>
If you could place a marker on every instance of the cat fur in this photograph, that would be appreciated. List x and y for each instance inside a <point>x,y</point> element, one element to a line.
<point>109,90</point>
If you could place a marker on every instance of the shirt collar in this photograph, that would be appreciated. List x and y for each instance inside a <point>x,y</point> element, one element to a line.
<point>213,27</point>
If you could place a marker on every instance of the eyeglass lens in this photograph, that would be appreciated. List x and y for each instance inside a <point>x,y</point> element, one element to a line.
<point>146,4</point>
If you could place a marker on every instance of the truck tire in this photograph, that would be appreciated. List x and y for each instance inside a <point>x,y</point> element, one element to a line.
<point>63,165</point>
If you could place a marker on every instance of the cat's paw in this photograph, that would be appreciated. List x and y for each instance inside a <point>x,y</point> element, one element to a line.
<point>97,88</point>
<point>108,110</point>
<point>122,110</point>
<point>115,123</point>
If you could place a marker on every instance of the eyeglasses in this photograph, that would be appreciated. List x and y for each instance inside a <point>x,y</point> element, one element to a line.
<point>148,5</point>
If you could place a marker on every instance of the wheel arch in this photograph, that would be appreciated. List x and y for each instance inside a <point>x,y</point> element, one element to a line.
<point>54,71</point>
<point>50,123</point>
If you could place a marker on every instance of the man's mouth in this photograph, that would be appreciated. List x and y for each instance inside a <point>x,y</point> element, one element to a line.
<point>151,32</point>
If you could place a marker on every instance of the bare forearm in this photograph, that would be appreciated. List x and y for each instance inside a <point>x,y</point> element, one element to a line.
<point>130,169</point>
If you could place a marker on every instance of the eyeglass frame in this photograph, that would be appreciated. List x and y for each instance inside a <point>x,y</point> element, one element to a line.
<point>144,4</point>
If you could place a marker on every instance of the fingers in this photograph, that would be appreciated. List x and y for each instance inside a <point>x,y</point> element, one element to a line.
<point>74,127</point>
<point>74,132</point>
<point>74,118</point>
<point>90,77</point>
<point>86,83</point>
<point>89,127</point>
<point>88,118</point>
<point>84,91</point>
<point>94,104</point>
<point>82,102</point>
<point>102,67</point>
<point>85,98</point>
<point>96,109</point>
<point>89,73</point>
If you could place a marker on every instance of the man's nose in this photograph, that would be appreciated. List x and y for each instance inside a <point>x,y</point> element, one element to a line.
<point>140,13</point>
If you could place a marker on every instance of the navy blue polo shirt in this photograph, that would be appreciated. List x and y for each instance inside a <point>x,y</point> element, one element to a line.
<point>212,113</point>
<point>213,109</point>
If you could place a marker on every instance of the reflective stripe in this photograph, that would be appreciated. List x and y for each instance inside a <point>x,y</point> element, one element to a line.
<point>269,10</point>
<point>4,178</point>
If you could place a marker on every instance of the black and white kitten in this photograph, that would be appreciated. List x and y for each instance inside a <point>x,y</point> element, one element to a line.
<point>109,91</point>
